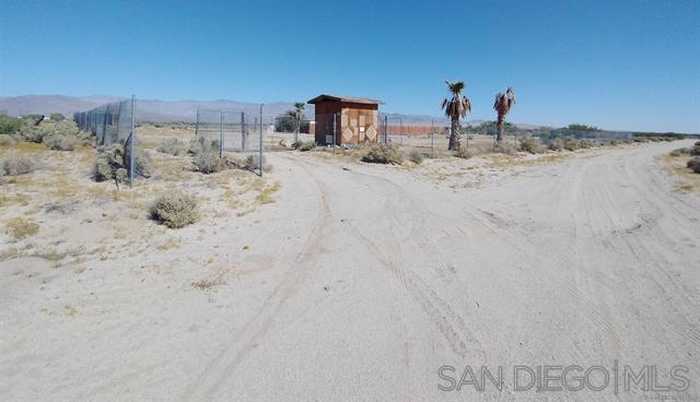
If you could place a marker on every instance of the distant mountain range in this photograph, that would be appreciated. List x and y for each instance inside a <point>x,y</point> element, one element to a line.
<point>182,110</point>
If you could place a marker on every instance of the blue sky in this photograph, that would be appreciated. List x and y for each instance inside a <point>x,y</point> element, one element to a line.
<point>614,64</point>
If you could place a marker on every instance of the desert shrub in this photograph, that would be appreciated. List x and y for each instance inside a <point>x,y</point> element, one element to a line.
<point>37,133</point>
<point>463,152</point>
<point>16,165</point>
<point>60,142</point>
<point>172,146</point>
<point>585,144</point>
<point>7,140</point>
<point>556,145</point>
<point>20,228</point>
<point>201,145</point>
<point>305,146</point>
<point>143,163</point>
<point>416,157</point>
<point>570,144</point>
<point>530,144</point>
<point>57,117</point>
<point>694,164</point>
<point>504,148</point>
<point>175,210</point>
<point>208,162</point>
<point>109,159</point>
<point>9,125</point>
<point>680,152</point>
<point>297,144</point>
<point>695,150</point>
<point>112,163</point>
<point>382,153</point>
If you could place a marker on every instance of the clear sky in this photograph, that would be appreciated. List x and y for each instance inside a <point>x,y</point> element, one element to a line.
<point>615,64</point>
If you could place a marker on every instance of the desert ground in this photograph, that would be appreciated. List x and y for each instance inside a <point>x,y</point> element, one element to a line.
<point>330,279</point>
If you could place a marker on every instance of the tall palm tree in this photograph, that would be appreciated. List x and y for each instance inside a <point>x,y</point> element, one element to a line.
<point>502,104</point>
<point>456,108</point>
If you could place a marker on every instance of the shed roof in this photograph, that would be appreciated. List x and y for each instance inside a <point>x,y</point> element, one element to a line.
<point>349,99</point>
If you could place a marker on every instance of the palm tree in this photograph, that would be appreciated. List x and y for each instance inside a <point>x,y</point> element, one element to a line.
<point>504,101</point>
<point>456,108</point>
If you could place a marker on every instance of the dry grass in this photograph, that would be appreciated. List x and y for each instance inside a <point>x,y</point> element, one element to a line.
<point>688,181</point>
<point>169,244</point>
<point>7,200</point>
<point>209,283</point>
<point>28,147</point>
<point>21,228</point>
<point>265,195</point>
<point>9,253</point>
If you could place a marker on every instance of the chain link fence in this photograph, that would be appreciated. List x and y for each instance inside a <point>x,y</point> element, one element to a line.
<point>233,131</point>
<point>113,123</point>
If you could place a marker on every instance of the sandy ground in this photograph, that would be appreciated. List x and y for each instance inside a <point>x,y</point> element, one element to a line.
<point>359,281</point>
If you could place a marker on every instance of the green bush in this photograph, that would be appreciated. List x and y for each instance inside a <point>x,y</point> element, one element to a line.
<point>175,210</point>
<point>37,133</point>
<point>57,117</point>
<point>9,125</point>
<point>16,165</point>
<point>416,157</point>
<point>172,146</point>
<point>382,153</point>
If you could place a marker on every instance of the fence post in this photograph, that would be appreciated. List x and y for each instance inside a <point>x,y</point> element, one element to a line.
<point>432,138</point>
<point>386,129</point>
<point>242,131</point>
<point>335,141</point>
<point>221,134</point>
<point>132,136</point>
<point>104,125</point>
<point>260,151</point>
<point>297,128</point>
<point>196,123</point>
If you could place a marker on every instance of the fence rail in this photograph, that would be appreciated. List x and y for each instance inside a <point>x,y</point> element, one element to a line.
<point>233,131</point>
<point>113,123</point>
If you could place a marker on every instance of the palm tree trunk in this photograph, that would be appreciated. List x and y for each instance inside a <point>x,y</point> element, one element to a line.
<point>499,125</point>
<point>454,138</point>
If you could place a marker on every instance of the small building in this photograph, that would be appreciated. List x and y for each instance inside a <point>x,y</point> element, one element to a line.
<point>350,120</point>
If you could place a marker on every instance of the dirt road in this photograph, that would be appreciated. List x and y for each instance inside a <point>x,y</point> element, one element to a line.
<point>364,280</point>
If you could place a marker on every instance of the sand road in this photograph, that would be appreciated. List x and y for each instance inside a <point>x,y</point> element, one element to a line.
<point>368,279</point>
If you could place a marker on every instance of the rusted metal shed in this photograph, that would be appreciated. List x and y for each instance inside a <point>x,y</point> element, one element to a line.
<point>347,119</point>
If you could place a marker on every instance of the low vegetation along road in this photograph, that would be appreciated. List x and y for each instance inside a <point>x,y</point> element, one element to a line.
<point>363,281</point>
